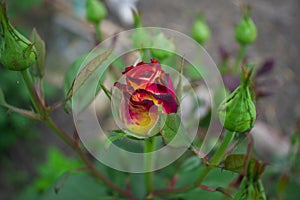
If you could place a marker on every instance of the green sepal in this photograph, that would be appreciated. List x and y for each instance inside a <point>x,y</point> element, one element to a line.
<point>237,112</point>
<point>38,69</point>
<point>17,53</point>
<point>173,132</point>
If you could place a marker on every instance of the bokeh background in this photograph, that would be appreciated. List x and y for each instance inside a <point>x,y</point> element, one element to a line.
<point>24,145</point>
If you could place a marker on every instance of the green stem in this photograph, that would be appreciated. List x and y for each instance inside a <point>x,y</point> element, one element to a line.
<point>240,58</point>
<point>72,143</point>
<point>98,31</point>
<point>216,159</point>
<point>150,145</point>
<point>29,84</point>
<point>219,155</point>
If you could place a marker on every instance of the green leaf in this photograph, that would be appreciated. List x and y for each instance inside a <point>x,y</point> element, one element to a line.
<point>173,132</point>
<point>216,179</point>
<point>38,68</point>
<point>72,72</point>
<point>190,164</point>
<point>87,71</point>
<point>192,72</point>
<point>61,181</point>
<point>112,138</point>
<point>138,185</point>
<point>57,164</point>
<point>78,186</point>
<point>235,163</point>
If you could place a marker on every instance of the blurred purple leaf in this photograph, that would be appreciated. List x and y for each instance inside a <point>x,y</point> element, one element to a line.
<point>266,67</point>
<point>266,82</point>
<point>261,93</point>
<point>231,82</point>
<point>224,53</point>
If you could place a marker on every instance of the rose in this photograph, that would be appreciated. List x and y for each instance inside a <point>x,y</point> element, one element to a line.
<point>147,87</point>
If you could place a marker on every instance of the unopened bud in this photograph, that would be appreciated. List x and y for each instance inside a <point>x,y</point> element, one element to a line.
<point>245,31</point>
<point>16,52</point>
<point>200,30</point>
<point>237,112</point>
<point>95,11</point>
<point>165,47</point>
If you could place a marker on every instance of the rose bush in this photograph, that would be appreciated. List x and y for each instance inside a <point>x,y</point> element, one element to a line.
<point>147,87</point>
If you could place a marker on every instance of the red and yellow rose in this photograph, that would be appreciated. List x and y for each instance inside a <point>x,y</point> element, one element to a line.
<point>147,87</point>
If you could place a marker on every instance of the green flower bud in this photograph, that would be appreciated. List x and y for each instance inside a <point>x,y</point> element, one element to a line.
<point>16,52</point>
<point>140,38</point>
<point>95,11</point>
<point>237,112</point>
<point>245,31</point>
<point>200,30</point>
<point>164,47</point>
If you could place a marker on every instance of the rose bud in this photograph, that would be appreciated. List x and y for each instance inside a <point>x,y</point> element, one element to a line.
<point>95,11</point>
<point>245,31</point>
<point>237,112</point>
<point>200,30</point>
<point>165,47</point>
<point>147,88</point>
<point>16,52</point>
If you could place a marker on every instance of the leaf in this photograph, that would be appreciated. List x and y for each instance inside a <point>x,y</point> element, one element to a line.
<point>173,132</point>
<point>61,181</point>
<point>190,164</point>
<point>87,71</point>
<point>112,138</point>
<point>78,186</point>
<point>56,165</point>
<point>72,72</point>
<point>38,68</point>
<point>192,72</point>
<point>235,163</point>
<point>266,68</point>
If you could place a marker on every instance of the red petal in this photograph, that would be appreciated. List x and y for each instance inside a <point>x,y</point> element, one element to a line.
<point>168,102</point>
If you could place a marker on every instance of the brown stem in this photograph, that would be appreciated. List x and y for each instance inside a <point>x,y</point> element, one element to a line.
<point>74,145</point>
<point>216,159</point>
<point>99,175</point>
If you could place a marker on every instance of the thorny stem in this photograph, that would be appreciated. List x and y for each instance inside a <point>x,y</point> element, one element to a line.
<point>67,139</point>
<point>216,159</point>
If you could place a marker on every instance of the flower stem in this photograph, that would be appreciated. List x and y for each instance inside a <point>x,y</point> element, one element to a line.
<point>98,32</point>
<point>32,93</point>
<point>240,58</point>
<point>150,145</point>
<point>218,156</point>
<point>216,159</point>
<point>66,138</point>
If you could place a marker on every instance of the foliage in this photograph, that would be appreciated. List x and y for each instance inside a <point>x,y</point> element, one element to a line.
<point>231,170</point>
